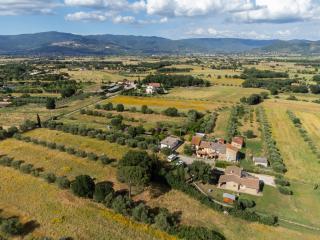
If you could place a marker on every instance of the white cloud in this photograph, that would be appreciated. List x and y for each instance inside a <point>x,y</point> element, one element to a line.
<point>19,7</point>
<point>124,19</point>
<point>281,11</point>
<point>212,32</point>
<point>120,5</point>
<point>277,11</point>
<point>87,16</point>
<point>192,8</point>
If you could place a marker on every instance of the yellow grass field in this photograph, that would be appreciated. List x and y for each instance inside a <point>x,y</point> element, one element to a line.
<point>311,122</point>
<point>300,161</point>
<point>112,150</point>
<point>214,93</point>
<point>163,103</point>
<point>60,214</point>
<point>17,115</point>
<point>232,228</point>
<point>220,129</point>
<point>98,76</point>
<point>60,163</point>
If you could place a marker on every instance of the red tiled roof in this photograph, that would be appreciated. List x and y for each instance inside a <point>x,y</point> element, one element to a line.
<point>196,140</point>
<point>229,146</point>
<point>156,85</point>
<point>238,140</point>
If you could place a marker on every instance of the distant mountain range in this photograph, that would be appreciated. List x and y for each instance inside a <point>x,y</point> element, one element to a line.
<point>66,44</point>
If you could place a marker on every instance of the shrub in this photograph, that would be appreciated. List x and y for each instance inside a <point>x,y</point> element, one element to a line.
<point>6,161</point>
<point>122,204</point>
<point>119,108</point>
<point>198,233</point>
<point>11,226</point>
<point>50,177</point>
<point>166,151</point>
<point>71,151</point>
<point>249,134</point>
<point>172,112</point>
<point>104,159</point>
<point>26,168</point>
<point>188,150</point>
<point>81,154</point>
<point>141,213</point>
<point>93,156</point>
<point>16,164</point>
<point>163,221</point>
<point>61,148</point>
<point>285,190</point>
<point>102,190</point>
<point>83,186</point>
<point>63,182</point>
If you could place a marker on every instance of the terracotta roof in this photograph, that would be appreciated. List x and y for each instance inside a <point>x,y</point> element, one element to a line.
<point>238,140</point>
<point>156,85</point>
<point>196,140</point>
<point>233,170</point>
<point>218,147</point>
<point>229,146</point>
<point>249,182</point>
<point>206,144</point>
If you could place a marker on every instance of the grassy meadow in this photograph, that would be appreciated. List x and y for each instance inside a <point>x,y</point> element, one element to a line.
<point>61,214</point>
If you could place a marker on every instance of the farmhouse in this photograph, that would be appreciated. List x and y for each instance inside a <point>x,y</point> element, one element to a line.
<point>170,142</point>
<point>214,150</point>
<point>237,142</point>
<point>237,180</point>
<point>260,161</point>
<point>152,88</point>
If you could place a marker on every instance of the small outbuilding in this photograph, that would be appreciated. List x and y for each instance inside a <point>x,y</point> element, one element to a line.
<point>260,161</point>
<point>170,142</point>
<point>228,198</point>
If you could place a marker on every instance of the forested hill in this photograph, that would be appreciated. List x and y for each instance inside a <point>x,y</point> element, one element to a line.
<point>56,43</point>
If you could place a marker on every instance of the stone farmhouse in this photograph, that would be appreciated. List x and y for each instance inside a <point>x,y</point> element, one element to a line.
<point>214,150</point>
<point>235,179</point>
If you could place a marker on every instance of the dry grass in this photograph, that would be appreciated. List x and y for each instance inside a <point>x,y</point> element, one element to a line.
<point>60,214</point>
<point>163,103</point>
<point>62,164</point>
<point>215,93</point>
<point>112,150</point>
<point>300,161</point>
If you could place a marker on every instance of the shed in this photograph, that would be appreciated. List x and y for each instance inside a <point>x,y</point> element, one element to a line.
<point>228,198</point>
<point>260,161</point>
<point>170,142</point>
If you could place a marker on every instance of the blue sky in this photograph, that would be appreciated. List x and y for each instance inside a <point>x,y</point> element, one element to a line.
<point>256,19</point>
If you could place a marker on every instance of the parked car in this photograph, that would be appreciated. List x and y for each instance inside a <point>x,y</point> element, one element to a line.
<point>172,157</point>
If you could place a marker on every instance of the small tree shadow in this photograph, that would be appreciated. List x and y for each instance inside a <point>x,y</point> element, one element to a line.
<point>29,227</point>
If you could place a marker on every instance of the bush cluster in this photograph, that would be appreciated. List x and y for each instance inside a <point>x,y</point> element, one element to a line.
<point>273,152</point>
<point>136,140</point>
<point>304,134</point>
<point>62,148</point>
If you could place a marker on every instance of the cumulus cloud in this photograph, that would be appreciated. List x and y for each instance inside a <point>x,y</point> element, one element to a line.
<point>18,7</point>
<point>212,32</point>
<point>192,8</point>
<point>280,11</point>
<point>87,16</point>
<point>108,4</point>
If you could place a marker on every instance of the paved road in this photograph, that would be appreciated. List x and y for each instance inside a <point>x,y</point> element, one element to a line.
<point>267,179</point>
